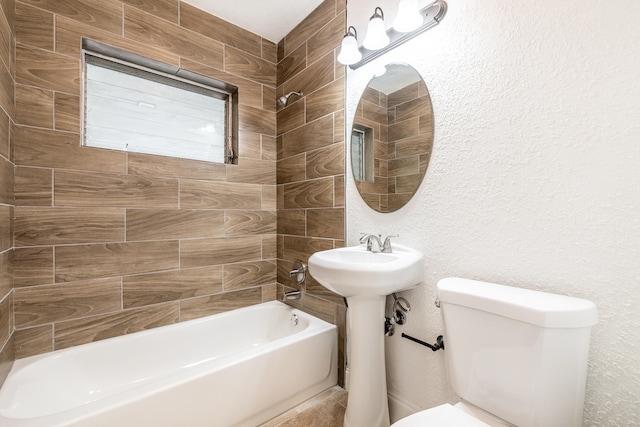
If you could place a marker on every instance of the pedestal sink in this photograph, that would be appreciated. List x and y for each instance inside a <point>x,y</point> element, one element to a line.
<point>365,278</point>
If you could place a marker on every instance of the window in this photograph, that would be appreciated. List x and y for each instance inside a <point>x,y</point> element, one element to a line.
<point>362,153</point>
<point>139,105</point>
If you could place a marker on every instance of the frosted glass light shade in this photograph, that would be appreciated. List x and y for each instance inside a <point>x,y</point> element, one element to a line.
<point>408,17</point>
<point>349,52</point>
<point>376,32</point>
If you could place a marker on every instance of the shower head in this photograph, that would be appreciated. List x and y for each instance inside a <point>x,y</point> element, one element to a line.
<point>282,101</point>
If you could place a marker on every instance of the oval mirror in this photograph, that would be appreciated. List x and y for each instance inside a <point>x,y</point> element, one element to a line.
<point>391,138</point>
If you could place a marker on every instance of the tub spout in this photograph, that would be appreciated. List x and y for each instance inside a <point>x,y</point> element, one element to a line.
<point>292,295</point>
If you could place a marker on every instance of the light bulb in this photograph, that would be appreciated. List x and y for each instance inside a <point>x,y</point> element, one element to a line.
<point>376,32</point>
<point>408,17</point>
<point>349,52</point>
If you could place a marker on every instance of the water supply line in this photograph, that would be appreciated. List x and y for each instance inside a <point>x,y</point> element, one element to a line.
<point>399,312</point>
<point>434,347</point>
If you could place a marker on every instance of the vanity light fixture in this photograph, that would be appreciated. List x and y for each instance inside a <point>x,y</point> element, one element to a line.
<point>377,37</point>
<point>349,52</point>
<point>430,16</point>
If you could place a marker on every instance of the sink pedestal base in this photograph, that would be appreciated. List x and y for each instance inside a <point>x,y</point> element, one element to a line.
<point>367,404</point>
<point>365,278</point>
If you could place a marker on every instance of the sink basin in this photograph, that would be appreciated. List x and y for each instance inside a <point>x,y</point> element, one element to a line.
<point>354,271</point>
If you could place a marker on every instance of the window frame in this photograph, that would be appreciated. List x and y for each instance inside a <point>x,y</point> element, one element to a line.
<point>120,60</point>
<point>365,153</point>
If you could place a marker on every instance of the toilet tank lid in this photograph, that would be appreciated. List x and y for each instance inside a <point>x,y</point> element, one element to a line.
<point>538,308</point>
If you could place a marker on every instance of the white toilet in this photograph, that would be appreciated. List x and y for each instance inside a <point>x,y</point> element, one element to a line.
<point>516,357</point>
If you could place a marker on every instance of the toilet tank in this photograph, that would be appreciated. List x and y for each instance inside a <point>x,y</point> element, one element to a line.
<point>518,354</point>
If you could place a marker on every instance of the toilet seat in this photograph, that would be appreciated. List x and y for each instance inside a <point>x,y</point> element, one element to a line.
<point>441,416</point>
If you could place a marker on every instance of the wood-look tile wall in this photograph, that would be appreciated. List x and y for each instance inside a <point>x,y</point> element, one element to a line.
<point>402,127</point>
<point>107,242</point>
<point>410,141</point>
<point>7,124</point>
<point>310,141</point>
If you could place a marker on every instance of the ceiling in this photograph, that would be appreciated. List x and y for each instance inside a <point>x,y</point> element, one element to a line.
<point>271,19</point>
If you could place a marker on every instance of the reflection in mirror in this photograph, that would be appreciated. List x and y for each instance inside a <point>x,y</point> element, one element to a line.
<point>392,137</point>
<point>362,153</point>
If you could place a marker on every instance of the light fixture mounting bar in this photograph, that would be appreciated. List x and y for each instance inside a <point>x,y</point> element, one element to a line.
<point>432,14</point>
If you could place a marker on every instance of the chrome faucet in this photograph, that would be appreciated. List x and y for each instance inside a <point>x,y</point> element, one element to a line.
<point>291,295</point>
<point>369,238</point>
<point>384,247</point>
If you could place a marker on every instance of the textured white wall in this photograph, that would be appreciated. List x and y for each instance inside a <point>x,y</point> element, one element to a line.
<point>534,179</point>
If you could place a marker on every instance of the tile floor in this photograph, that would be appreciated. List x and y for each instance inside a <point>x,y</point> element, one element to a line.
<point>324,410</point>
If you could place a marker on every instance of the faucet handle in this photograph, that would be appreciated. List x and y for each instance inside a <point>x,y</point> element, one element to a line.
<point>299,272</point>
<point>386,246</point>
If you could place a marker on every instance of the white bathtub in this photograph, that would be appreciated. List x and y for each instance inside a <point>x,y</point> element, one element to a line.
<point>239,368</point>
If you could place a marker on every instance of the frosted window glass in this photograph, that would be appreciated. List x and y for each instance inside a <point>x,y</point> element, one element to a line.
<point>129,112</point>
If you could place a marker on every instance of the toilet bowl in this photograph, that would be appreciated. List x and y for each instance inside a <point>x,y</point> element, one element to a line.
<point>516,357</point>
